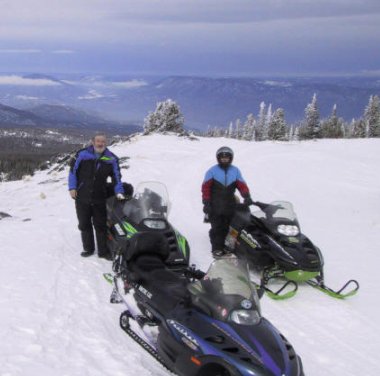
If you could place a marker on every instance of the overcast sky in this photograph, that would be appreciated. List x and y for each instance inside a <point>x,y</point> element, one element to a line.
<point>203,37</point>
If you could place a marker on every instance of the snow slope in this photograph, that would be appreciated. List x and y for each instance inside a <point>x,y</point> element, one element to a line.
<point>55,318</point>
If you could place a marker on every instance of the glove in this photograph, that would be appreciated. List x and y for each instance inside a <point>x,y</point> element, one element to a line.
<point>120,197</point>
<point>248,201</point>
<point>207,208</point>
<point>73,193</point>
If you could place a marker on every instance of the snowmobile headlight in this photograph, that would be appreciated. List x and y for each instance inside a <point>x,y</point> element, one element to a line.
<point>245,317</point>
<point>288,230</point>
<point>155,224</point>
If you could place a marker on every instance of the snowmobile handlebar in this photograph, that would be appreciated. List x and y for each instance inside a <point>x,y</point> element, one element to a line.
<point>261,205</point>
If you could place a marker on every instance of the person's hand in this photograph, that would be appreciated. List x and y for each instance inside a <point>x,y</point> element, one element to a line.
<point>120,197</point>
<point>73,193</point>
<point>248,201</point>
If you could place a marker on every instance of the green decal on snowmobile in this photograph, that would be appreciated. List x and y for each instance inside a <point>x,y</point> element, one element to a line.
<point>130,229</point>
<point>300,275</point>
<point>181,240</point>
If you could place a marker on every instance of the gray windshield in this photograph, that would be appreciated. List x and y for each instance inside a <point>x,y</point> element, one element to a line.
<point>151,200</point>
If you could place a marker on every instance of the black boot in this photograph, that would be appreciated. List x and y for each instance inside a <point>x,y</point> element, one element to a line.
<point>88,243</point>
<point>106,256</point>
<point>87,253</point>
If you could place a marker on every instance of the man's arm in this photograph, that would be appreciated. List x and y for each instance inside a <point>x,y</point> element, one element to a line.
<point>206,187</point>
<point>116,176</point>
<point>241,185</point>
<point>74,164</point>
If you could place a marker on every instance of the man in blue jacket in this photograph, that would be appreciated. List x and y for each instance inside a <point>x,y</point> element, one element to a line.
<point>218,197</point>
<point>89,171</point>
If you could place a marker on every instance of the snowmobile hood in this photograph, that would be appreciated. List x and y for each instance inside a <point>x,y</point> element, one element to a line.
<point>255,349</point>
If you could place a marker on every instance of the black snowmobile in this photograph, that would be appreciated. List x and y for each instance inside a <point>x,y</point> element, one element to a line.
<point>146,211</point>
<point>197,324</point>
<point>271,241</point>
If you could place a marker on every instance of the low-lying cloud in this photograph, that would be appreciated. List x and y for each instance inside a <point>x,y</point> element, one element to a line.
<point>22,81</point>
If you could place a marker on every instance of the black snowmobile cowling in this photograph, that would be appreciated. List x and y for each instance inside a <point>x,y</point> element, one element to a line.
<point>195,323</point>
<point>146,211</point>
<point>272,242</point>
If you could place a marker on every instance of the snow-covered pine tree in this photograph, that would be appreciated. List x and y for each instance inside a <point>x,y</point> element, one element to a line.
<point>277,126</point>
<point>166,118</point>
<point>260,125</point>
<point>372,116</point>
<point>268,119</point>
<point>238,130</point>
<point>358,129</point>
<point>231,130</point>
<point>332,126</point>
<point>249,127</point>
<point>291,132</point>
<point>311,126</point>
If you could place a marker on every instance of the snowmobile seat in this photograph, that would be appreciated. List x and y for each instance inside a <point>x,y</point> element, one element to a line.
<point>147,243</point>
<point>146,258</point>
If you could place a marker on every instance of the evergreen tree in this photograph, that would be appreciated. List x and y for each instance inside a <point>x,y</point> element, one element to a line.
<point>166,118</point>
<point>260,125</point>
<point>333,126</point>
<point>358,128</point>
<point>231,130</point>
<point>268,119</point>
<point>249,128</point>
<point>311,127</point>
<point>277,126</point>
<point>238,131</point>
<point>372,117</point>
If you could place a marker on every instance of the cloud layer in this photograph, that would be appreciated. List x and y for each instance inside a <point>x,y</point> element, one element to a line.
<point>191,36</point>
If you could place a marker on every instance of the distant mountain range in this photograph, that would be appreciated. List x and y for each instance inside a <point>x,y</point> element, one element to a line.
<point>204,101</point>
<point>60,117</point>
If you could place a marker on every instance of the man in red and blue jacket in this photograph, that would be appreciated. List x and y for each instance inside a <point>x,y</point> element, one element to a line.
<point>218,197</point>
<point>89,171</point>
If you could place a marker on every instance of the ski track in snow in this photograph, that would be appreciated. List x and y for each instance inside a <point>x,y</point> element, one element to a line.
<point>55,316</point>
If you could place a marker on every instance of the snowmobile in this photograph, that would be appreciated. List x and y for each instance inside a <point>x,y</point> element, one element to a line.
<point>195,323</point>
<point>146,211</point>
<point>271,241</point>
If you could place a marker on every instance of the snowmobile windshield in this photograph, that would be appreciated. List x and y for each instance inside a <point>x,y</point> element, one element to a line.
<point>277,210</point>
<point>150,201</point>
<point>226,289</point>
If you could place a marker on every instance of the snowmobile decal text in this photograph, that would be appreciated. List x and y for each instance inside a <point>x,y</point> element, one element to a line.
<point>119,230</point>
<point>184,332</point>
<point>145,292</point>
<point>248,238</point>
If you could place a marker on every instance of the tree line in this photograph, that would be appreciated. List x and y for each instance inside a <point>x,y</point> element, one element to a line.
<point>271,125</point>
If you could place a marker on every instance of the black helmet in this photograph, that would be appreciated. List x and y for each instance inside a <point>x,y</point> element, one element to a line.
<point>224,151</point>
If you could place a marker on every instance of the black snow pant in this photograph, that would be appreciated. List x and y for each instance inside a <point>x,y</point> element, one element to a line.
<point>93,214</point>
<point>219,230</point>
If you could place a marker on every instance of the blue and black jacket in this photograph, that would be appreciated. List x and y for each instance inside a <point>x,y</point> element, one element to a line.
<point>219,187</point>
<point>89,173</point>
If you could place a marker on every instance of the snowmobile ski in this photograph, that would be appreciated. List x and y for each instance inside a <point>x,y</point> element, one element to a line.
<point>108,277</point>
<point>340,294</point>
<point>283,292</point>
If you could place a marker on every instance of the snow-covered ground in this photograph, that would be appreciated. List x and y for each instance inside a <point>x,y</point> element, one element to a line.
<point>55,316</point>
